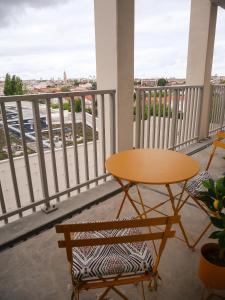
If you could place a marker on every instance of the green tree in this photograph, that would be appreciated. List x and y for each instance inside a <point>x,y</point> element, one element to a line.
<point>76,82</point>
<point>13,85</point>
<point>162,82</point>
<point>65,89</point>
<point>7,85</point>
<point>77,105</point>
<point>19,86</point>
<point>94,85</point>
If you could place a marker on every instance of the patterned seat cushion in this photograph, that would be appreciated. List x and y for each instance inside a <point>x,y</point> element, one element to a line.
<point>195,186</point>
<point>104,260</point>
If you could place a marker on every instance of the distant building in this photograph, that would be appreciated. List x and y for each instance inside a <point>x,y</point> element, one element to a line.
<point>149,82</point>
<point>64,77</point>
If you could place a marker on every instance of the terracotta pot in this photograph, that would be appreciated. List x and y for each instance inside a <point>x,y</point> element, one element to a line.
<point>212,276</point>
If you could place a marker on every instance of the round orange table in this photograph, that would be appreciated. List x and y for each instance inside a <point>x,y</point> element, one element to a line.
<point>152,166</point>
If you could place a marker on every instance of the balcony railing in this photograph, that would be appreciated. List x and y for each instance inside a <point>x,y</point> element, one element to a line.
<point>167,117</point>
<point>51,153</point>
<point>62,152</point>
<point>217,111</point>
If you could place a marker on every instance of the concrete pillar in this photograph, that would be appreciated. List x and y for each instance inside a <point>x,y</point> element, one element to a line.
<point>200,54</point>
<point>114,37</point>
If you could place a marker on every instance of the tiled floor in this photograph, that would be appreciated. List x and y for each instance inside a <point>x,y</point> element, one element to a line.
<point>37,268</point>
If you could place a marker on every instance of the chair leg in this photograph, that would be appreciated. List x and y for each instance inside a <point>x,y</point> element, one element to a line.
<point>76,294</point>
<point>120,293</point>
<point>72,295</point>
<point>104,293</point>
<point>201,235</point>
<point>143,290</point>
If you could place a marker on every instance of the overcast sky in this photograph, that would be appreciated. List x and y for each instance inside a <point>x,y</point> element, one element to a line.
<point>42,38</point>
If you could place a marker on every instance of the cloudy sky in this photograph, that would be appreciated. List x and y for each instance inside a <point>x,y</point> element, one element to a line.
<point>42,38</point>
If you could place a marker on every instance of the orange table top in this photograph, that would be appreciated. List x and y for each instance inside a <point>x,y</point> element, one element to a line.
<point>152,166</point>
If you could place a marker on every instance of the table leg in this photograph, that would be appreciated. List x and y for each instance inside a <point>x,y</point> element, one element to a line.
<point>176,210</point>
<point>127,195</point>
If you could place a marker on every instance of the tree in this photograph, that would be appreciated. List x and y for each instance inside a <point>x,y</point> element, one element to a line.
<point>7,85</point>
<point>13,86</point>
<point>19,86</point>
<point>76,82</point>
<point>65,89</point>
<point>94,85</point>
<point>77,105</point>
<point>162,82</point>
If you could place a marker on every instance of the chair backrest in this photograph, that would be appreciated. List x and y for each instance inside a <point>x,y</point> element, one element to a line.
<point>69,242</point>
<point>220,135</point>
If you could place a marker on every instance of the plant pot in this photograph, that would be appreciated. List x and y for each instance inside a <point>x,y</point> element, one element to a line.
<point>213,276</point>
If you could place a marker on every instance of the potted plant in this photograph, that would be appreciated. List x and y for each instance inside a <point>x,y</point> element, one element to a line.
<point>212,260</point>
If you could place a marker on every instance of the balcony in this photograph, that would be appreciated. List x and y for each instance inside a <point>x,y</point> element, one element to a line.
<point>57,173</point>
<point>79,188</point>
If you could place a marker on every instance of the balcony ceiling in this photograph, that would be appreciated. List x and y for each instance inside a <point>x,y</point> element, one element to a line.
<point>219,3</point>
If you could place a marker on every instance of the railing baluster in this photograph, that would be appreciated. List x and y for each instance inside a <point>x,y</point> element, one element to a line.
<point>25,154</point>
<point>74,133</point>
<point>40,152</point>
<point>113,125</point>
<point>180,115</point>
<point>218,108</point>
<point>149,120</point>
<point>10,154</point>
<point>2,202</point>
<point>164,116</point>
<point>52,145</point>
<point>174,121</point>
<point>187,113</point>
<point>65,159</point>
<point>168,121</point>
<point>222,107</point>
<point>142,119</point>
<point>103,133</point>
<point>159,118</point>
<point>138,119</point>
<point>95,158</point>
<point>190,114</point>
<point>212,110</point>
<point>184,115</point>
<point>195,112</point>
<point>86,165</point>
<point>223,111</point>
<point>154,121</point>
<point>199,109</point>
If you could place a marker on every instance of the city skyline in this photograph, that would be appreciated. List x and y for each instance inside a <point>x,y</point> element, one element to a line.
<point>41,40</point>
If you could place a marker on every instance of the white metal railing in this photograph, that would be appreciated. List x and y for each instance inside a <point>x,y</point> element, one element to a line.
<point>167,117</point>
<point>217,111</point>
<point>50,174</point>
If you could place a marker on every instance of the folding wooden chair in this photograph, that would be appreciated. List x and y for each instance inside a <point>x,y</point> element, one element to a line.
<point>113,253</point>
<point>194,186</point>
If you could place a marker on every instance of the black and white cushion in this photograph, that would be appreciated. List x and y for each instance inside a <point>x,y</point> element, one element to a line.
<point>195,186</point>
<point>104,260</point>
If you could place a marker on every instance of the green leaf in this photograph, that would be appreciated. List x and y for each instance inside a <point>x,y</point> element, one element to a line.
<point>206,184</point>
<point>217,222</point>
<point>215,235</point>
<point>222,242</point>
<point>220,187</point>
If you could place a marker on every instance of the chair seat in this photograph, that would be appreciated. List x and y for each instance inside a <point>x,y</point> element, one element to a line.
<point>195,186</point>
<point>104,260</point>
